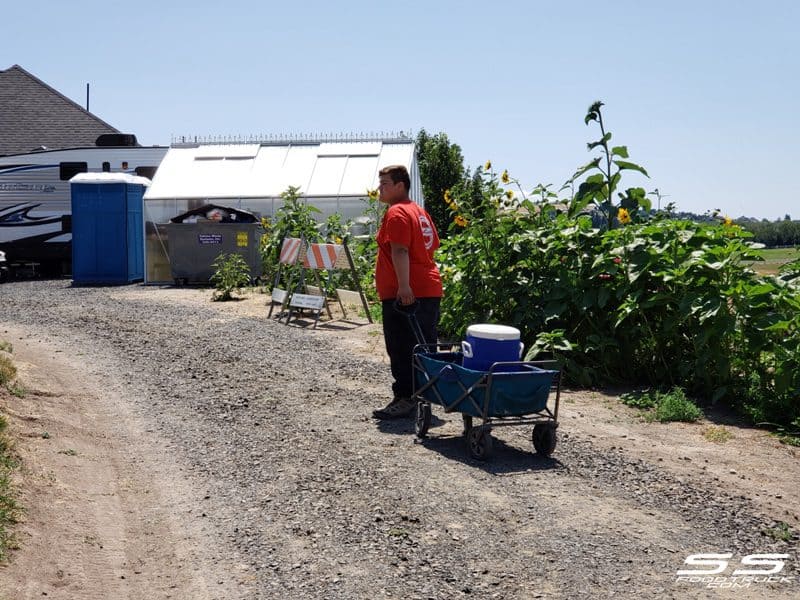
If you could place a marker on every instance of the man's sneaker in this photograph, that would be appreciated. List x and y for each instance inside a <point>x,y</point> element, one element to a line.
<point>397,408</point>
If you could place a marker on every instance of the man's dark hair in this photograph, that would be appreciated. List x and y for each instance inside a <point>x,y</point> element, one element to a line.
<point>397,173</point>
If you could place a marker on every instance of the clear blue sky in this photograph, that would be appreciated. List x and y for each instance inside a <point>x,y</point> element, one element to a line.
<point>704,93</point>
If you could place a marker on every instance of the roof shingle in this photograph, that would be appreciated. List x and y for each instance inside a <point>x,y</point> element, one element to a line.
<point>32,114</point>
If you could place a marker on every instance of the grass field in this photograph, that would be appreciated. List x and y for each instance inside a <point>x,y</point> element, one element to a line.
<point>774,258</point>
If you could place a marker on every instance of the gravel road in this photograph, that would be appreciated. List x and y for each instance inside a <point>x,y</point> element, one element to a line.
<point>320,501</point>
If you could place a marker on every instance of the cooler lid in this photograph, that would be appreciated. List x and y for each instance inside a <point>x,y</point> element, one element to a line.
<point>488,331</point>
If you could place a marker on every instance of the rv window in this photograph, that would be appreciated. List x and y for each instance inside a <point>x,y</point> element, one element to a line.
<point>106,167</point>
<point>68,170</point>
<point>146,171</point>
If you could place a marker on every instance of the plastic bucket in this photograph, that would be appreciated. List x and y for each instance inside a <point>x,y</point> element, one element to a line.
<point>487,344</point>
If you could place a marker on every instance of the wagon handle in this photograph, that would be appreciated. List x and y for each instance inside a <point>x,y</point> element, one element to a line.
<point>410,311</point>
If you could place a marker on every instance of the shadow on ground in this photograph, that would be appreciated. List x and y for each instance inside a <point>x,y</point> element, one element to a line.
<point>504,459</point>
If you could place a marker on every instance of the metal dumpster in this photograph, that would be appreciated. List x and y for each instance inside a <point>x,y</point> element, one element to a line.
<point>195,241</point>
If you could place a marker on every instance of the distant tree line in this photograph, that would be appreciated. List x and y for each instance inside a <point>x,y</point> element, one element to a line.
<point>773,234</point>
<point>784,232</point>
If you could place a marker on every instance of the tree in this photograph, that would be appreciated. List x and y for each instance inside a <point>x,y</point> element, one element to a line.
<point>441,167</point>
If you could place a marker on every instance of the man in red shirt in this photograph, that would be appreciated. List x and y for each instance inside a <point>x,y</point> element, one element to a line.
<point>406,275</point>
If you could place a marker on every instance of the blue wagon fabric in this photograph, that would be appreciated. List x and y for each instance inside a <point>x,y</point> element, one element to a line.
<point>515,390</point>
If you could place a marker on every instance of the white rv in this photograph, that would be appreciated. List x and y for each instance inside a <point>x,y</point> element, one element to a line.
<point>35,203</point>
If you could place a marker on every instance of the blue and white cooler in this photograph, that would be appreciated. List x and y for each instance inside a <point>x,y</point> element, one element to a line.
<point>487,344</point>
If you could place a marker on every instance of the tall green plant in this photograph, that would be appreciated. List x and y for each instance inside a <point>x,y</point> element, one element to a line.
<point>294,218</point>
<point>604,175</point>
<point>364,248</point>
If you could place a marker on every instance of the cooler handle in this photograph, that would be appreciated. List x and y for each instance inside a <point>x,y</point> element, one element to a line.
<point>521,349</point>
<point>466,348</point>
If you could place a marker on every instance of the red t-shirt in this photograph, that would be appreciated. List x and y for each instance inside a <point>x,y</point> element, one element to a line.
<point>409,225</point>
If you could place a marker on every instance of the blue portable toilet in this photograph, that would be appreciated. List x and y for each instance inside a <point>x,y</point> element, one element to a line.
<point>107,228</point>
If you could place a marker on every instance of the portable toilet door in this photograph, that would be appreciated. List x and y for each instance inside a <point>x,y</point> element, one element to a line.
<point>107,228</point>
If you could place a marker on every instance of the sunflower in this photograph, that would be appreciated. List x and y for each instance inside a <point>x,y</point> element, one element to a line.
<point>727,222</point>
<point>487,166</point>
<point>504,177</point>
<point>509,194</point>
<point>623,216</point>
<point>460,221</point>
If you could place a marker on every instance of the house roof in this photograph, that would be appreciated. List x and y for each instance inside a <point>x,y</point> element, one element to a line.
<point>260,170</point>
<point>32,114</point>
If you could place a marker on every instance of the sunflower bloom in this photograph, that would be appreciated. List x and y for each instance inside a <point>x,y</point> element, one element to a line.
<point>487,166</point>
<point>727,222</point>
<point>509,194</point>
<point>504,177</point>
<point>460,221</point>
<point>623,216</point>
<point>373,194</point>
<point>447,198</point>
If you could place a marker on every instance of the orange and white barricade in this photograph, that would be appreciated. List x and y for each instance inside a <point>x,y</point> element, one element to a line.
<point>327,257</point>
<point>291,249</point>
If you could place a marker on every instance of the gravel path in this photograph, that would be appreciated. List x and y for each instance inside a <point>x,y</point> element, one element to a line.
<point>323,502</point>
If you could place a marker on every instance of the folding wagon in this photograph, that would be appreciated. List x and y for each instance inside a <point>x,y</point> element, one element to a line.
<point>508,394</point>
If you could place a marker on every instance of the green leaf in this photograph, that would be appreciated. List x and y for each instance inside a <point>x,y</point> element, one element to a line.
<point>593,113</point>
<point>603,296</point>
<point>621,151</point>
<point>587,167</point>
<point>629,166</point>
<point>593,145</point>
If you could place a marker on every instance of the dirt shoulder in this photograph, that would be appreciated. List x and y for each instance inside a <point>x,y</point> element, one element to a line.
<point>750,462</point>
<point>105,504</point>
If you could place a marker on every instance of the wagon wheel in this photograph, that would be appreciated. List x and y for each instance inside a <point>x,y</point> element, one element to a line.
<point>480,442</point>
<point>467,425</point>
<point>544,438</point>
<point>423,420</point>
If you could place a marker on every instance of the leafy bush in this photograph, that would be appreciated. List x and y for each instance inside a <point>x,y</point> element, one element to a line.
<point>643,400</point>
<point>664,407</point>
<point>294,219</point>
<point>231,273</point>
<point>655,301</point>
<point>675,406</point>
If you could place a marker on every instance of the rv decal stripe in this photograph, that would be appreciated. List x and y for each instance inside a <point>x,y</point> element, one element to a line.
<point>17,169</point>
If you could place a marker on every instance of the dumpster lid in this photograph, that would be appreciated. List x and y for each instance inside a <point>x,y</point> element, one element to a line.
<point>213,212</point>
<point>109,178</point>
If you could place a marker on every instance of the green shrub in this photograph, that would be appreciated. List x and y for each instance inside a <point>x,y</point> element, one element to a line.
<point>653,301</point>
<point>7,370</point>
<point>675,406</point>
<point>231,273</point>
<point>9,507</point>
<point>642,400</point>
<point>296,219</point>
<point>293,219</point>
